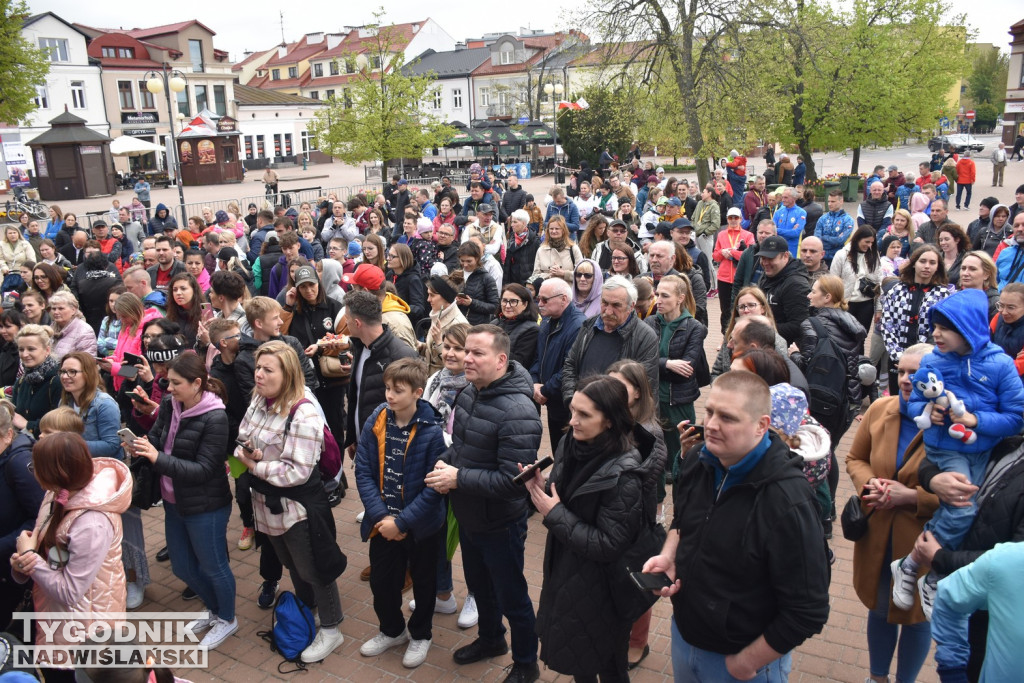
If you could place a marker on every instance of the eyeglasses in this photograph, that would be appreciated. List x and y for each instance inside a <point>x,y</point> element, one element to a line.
<point>234,336</point>
<point>747,307</point>
<point>545,299</point>
<point>584,276</point>
<point>391,256</point>
<point>511,302</point>
<point>32,467</point>
<point>1000,306</point>
<point>69,373</point>
<point>618,231</point>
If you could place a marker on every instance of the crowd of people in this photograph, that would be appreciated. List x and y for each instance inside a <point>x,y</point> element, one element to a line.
<point>239,359</point>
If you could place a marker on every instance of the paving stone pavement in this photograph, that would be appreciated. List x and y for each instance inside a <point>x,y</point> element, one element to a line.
<point>839,653</point>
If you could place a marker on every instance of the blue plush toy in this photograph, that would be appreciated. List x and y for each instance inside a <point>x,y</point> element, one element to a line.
<point>928,381</point>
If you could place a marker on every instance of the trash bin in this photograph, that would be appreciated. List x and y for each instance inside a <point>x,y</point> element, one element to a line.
<point>559,175</point>
<point>850,185</point>
<point>831,185</point>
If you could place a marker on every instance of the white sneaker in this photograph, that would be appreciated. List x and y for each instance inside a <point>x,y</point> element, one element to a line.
<point>324,644</point>
<point>469,615</point>
<point>416,653</point>
<point>449,606</point>
<point>928,587</point>
<point>218,633</point>
<point>135,595</point>
<point>359,517</point>
<point>196,626</point>
<point>381,643</point>
<point>904,585</point>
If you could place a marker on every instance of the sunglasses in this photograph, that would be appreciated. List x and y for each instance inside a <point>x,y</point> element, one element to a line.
<point>545,299</point>
<point>584,276</point>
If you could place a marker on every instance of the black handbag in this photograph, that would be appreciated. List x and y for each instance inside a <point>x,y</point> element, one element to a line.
<point>630,601</point>
<point>867,288</point>
<point>145,483</point>
<point>854,520</point>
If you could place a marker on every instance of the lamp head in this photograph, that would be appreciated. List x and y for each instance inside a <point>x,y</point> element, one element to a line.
<point>155,85</point>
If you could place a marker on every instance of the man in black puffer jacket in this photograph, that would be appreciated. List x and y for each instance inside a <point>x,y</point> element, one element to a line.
<point>496,430</point>
<point>374,347</point>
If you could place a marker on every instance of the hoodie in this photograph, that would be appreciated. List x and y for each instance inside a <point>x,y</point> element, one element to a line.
<point>985,378</point>
<point>331,278</point>
<point>209,401</point>
<point>93,580</point>
<point>158,223</point>
<point>396,317</point>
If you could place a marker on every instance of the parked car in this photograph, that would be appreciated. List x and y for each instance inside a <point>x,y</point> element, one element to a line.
<point>958,143</point>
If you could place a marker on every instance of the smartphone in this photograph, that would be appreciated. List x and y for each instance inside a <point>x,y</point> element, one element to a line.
<point>135,397</point>
<point>866,490</point>
<point>132,359</point>
<point>126,435</point>
<point>698,431</point>
<point>650,582</point>
<point>244,444</point>
<point>128,371</point>
<point>528,471</point>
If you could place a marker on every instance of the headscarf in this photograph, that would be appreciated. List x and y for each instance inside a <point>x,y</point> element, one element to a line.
<point>591,305</point>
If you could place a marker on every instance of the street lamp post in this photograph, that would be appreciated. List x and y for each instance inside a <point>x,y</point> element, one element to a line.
<point>556,89</point>
<point>165,81</point>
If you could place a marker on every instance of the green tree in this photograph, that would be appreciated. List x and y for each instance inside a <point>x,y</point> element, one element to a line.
<point>987,79</point>
<point>584,134</point>
<point>23,66</point>
<point>380,114</point>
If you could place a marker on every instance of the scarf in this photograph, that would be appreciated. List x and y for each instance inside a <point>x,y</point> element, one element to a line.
<point>447,387</point>
<point>582,460</point>
<point>42,372</point>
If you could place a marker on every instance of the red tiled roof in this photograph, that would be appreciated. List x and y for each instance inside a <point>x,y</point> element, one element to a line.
<point>167,28</point>
<point>253,57</point>
<point>297,52</point>
<point>542,45</point>
<point>401,35</point>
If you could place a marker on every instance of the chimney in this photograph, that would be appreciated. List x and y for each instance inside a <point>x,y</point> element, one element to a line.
<point>314,38</point>
<point>334,40</point>
<point>282,51</point>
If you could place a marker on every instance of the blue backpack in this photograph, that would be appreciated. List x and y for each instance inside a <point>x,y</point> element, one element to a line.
<point>292,630</point>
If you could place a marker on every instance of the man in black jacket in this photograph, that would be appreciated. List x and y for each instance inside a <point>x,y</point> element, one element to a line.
<point>738,607</point>
<point>92,283</point>
<point>786,285</point>
<point>513,199</point>
<point>374,347</point>
<point>496,430</point>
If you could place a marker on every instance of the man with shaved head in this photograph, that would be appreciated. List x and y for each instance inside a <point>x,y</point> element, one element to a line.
<point>812,253</point>
<point>740,608</point>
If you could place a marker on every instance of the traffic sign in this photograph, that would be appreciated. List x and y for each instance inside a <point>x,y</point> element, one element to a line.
<point>944,122</point>
<point>523,120</point>
<point>970,114</point>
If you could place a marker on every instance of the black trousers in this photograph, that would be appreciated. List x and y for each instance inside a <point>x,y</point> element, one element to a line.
<point>270,564</point>
<point>389,560</point>
<point>558,420</point>
<point>864,312</point>
<point>725,301</point>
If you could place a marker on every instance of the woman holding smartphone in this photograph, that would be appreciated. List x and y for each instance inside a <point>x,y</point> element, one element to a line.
<point>188,447</point>
<point>133,317</point>
<point>593,509</point>
<point>184,305</point>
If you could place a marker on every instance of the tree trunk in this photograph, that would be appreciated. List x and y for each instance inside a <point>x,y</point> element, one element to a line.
<point>855,164</point>
<point>805,152</point>
<point>799,129</point>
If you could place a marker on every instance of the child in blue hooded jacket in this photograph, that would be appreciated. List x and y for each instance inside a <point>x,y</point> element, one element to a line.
<point>984,378</point>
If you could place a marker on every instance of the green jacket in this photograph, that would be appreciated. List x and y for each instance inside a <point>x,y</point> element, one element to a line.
<point>706,218</point>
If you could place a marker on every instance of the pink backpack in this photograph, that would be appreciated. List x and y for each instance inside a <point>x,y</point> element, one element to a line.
<point>330,453</point>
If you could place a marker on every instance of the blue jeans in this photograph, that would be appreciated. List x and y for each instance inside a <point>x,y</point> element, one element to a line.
<point>197,545</point>
<point>960,187</point>
<point>493,564</point>
<point>693,665</point>
<point>949,524</point>
<point>914,639</point>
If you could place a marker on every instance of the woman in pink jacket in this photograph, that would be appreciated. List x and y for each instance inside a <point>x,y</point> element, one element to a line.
<point>133,316</point>
<point>73,555</point>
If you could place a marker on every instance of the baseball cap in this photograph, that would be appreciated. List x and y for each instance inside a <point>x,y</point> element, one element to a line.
<point>484,208</point>
<point>660,169</point>
<point>664,229</point>
<point>893,167</point>
<point>734,211</point>
<point>367,276</point>
<point>773,246</point>
<point>662,201</point>
<point>675,201</point>
<point>305,274</point>
<point>226,254</point>
<point>681,224</point>
<point>403,181</point>
<point>221,216</point>
<point>99,224</point>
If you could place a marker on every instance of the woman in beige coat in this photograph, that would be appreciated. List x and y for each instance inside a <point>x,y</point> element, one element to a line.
<point>883,460</point>
<point>558,254</point>
<point>443,315</point>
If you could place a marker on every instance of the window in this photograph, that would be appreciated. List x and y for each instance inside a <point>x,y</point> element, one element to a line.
<point>260,151</point>
<point>1022,75</point>
<point>108,52</point>
<point>485,97</point>
<point>507,56</point>
<point>195,53</point>
<point>334,67</point>
<point>201,101</point>
<point>78,94</point>
<point>126,53</point>
<point>329,94</point>
<point>183,104</point>
<point>350,65</point>
<point>318,70</point>
<point>437,99</point>
<point>248,147</point>
<point>220,100</point>
<point>277,144</point>
<point>275,74</point>
<point>146,99</point>
<point>375,62</point>
<point>307,141</point>
<point>42,98</point>
<point>457,98</point>
<point>57,47</point>
<point>287,144</point>
<point>346,97</point>
<point>293,72</point>
<point>315,95</point>
<point>124,95</point>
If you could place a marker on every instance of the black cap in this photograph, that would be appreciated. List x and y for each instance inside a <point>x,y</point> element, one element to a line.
<point>680,223</point>
<point>773,246</point>
<point>989,202</point>
<point>226,254</point>
<point>484,208</point>
<point>664,229</point>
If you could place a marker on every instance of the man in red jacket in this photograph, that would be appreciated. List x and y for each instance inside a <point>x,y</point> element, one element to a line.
<point>966,174</point>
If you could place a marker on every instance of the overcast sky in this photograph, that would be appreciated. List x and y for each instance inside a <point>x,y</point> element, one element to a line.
<point>256,24</point>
